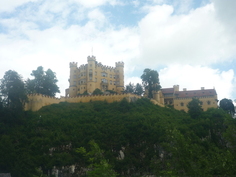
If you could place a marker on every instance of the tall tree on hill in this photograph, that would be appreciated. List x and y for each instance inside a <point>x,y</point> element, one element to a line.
<point>13,91</point>
<point>227,105</point>
<point>129,88</point>
<point>138,89</point>
<point>150,81</point>
<point>195,108</point>
<point>43,82</point>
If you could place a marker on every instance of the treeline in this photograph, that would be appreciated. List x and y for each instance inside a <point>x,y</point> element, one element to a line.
<point>120,139</point>
<point>14,89</point>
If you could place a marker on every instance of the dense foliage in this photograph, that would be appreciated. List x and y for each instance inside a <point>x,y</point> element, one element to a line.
<point>136,139</point>
<point>150,81</point>
<point>44,82</point>
<point>12,91</point>
<point>228,106</point>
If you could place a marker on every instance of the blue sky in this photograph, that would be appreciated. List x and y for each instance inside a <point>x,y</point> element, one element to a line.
<point>191,43</point>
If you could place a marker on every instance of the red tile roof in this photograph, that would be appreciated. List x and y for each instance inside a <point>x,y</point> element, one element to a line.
<point>167,90</point>
<point>195,93</point>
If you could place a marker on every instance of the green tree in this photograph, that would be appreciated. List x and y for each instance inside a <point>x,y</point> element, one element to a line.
<point>194,108</point>
<point>13,91</point>
<point>227,105</point>
<point>150,81</point>
<point>43,82</point>
<point>129,88</point>
<point>138,89</point>
<point>97,92</point>
<point>99,167</point>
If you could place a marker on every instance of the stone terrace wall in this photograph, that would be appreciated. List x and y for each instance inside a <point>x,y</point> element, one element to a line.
<point>37,101</point>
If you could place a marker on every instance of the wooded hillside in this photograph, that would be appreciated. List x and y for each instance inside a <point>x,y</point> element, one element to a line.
<point>137,139</point>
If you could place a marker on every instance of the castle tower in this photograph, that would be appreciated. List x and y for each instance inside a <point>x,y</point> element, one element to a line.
<point>73,79</point>
<point>91,74</point>
<point>119,76</point>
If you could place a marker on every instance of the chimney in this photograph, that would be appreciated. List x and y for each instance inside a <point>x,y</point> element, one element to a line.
<point>184,89</point>
<point>202,88</point>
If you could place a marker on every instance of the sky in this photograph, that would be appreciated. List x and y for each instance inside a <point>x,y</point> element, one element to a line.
<point>190,43</point>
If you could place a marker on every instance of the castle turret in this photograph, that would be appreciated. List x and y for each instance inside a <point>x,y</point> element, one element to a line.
<point>119,76</point>
<point>91,74</point>
<point>73,79</point>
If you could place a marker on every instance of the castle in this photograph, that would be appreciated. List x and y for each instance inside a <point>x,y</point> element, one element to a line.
<point>86,78</point>
<point>93,75</point>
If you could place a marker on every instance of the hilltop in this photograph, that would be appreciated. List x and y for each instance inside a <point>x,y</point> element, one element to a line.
<point>138,139</point>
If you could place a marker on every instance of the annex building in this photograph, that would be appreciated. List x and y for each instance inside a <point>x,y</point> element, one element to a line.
<point>88,77</point>
<point>180,99</point>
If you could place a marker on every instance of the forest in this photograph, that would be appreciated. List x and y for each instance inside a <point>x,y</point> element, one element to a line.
<point>116,139</point>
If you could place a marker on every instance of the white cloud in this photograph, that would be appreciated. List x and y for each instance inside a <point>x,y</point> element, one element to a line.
<point>95,3</point>
<point>133,80</point>
<point>195,77</point>
<point>193,38</point>
<point>10,5</point>
<point>97,17</point>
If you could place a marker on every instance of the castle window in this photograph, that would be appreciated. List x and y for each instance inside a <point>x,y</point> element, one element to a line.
<point>90,65</point>
<point>208,102</point>
<point>114,82</point>
<point>74,82</point>
<point>74,76</point>
<point>104,81</point>
<point>74,71</point>
<point>182,104</point>
<point>90,70</point>
<point>114,76</point>
<point>90,78</point>
<point>110,82</point>
<point>104,74</point>
<point>95,79</point>
<point>110,75</point>
<point>95,73</point>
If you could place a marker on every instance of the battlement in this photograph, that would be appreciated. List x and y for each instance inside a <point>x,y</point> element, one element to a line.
<point>91,58</point>
<point>37,101</point>
<point>73,64</point>
<point>120,64</point>
<point>83,66</point>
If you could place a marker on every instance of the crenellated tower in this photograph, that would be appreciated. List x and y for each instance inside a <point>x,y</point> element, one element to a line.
<point>88,77</point>
<point>119,76</point>
<point>73,79</point>
<point>91,86</point>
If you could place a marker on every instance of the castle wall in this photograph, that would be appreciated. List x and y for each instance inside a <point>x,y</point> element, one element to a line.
<point>207,102</point>
<point>37,101</point>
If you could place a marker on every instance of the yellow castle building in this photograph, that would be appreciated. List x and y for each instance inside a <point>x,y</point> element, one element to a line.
<point>93,75</point>
<point>180,99</point>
